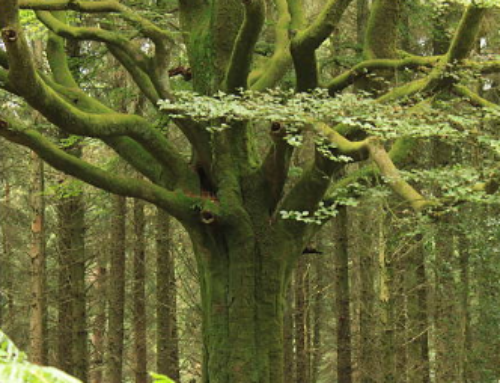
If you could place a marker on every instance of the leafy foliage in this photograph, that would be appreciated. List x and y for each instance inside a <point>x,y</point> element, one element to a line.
<point>15,368</point>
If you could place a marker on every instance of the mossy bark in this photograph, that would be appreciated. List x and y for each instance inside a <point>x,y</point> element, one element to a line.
<point>243,279</point>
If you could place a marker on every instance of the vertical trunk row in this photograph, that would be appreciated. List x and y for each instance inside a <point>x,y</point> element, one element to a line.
<point>116,291</point>
<point>139,294</point>
<point>167,358</point>
<point>38,307</point>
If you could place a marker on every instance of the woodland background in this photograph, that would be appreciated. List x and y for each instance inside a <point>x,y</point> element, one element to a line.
<point>413,299</point>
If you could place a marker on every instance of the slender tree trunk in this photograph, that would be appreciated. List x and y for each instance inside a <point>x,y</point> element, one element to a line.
<point>72,318</point>
<point>362,13</point>
<point>99,324</point>
<point>319,301</point>
<point>38,312</point>
<point>301,325</point>
<point>343,295</point>
<point>6,286</point>
<point>465,326</point>
<point>288,335</point>
<point>369,369</point>
<point>424,372</point>
<point>167,345</point>
<point>116,292</point>
<point>140,323</point>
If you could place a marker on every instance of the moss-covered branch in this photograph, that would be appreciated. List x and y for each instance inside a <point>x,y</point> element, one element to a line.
<point>382,29</point>
<point>146,27</point>
<point>276,164</point>
<point>360,70</point>
<point>305,43</point>
<point>486,67</point>
<point>393,178</point>
<point>473,97</point>
<point>176,203</point>
<point>24,78</point>
<point>241,56</point>
<point>466,35</point>
<point>273,70</point>
<point>94,34</point>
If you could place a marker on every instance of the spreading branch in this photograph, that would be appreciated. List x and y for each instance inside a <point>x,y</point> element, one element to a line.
<point>174,202</point>
<point>241,57</point>
<point>306,42</point>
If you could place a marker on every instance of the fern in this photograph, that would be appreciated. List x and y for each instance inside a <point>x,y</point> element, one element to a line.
<point>15,368</point>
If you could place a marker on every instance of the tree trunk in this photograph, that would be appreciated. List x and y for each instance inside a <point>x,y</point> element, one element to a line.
<point>342,293</point>
<point>7,300</point>
<point>243,278</point>
<point>301,322</point>
<point>116,292</point>
<point>100,318</point>
<point>424,371</point>
<point>320,288</point>
<point>38,310</point>
<point>167,345</point>
<point>140,325</point>
<point>288,333</point>
<point>72,320</point>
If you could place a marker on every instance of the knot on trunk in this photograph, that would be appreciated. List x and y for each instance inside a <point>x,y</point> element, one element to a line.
<point>278,130</point>
<point>9,35</point>
<point>207,217</point>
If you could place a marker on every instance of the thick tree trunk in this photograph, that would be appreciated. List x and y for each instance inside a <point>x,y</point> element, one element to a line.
<point>243,283</point>
<point>38,310</point>
<point>140,325</point>
<point>116,292</point>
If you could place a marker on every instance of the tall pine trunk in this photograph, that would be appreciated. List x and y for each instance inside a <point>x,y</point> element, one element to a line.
<point>38,312</point>
<point>139,292</point>
<point>343,295</point>
<point>116,292</point>
<point>167,345</point>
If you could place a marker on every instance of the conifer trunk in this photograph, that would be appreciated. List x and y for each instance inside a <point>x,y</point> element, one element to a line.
<point>139,310</point>
<point>37,256</point>
<point>116,292</point>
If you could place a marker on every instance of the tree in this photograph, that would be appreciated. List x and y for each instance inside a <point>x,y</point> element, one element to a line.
<point>234,203</point>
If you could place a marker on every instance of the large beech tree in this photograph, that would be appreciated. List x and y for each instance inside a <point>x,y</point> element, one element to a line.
<point>228,198</point>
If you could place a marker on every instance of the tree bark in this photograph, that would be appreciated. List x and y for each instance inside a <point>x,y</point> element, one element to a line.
<point>167,344</point>
<point>38,312</point>
<point>343,295</point>
<point>301,320</point>
<point>243,285</point>
<point>72,310</point>
<point>140,318</point>
<point>116,292</point>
